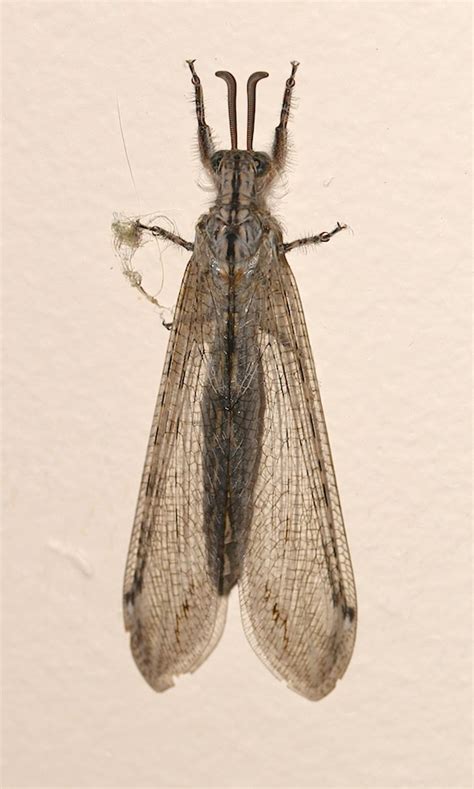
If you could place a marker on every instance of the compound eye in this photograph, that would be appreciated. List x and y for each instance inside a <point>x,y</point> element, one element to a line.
<point>261,165</point>
<point>216,161</point>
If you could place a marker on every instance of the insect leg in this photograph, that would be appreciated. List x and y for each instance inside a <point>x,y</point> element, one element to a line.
<point>160,232</point>
<point>321,238</point>
<point>206,145</point>
<point>280,141</point>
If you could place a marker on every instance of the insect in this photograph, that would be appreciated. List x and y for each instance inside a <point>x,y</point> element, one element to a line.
<point>238,487</point>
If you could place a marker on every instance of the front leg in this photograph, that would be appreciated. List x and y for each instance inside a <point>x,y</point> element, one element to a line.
<point>206,145</point>
<point>280,141</point>
<point>322,238</point>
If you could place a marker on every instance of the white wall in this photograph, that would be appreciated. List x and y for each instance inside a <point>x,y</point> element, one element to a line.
<point>380,140</point>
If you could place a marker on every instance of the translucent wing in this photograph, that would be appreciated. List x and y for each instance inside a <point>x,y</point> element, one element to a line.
<point>297,590</point>
<point>171,606</point>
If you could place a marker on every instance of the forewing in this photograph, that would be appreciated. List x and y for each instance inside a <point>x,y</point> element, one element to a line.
<point>171,606</point>
<point>297,590</point>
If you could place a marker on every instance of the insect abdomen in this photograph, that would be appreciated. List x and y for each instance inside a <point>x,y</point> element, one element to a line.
<point>232,411</point>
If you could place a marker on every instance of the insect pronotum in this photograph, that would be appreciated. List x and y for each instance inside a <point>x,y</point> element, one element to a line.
<point>238,487</point>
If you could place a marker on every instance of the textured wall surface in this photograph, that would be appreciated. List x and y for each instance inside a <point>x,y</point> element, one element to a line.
<point>380,135</point>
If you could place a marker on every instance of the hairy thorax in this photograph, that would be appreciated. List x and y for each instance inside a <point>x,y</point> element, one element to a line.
<point>234,233</point>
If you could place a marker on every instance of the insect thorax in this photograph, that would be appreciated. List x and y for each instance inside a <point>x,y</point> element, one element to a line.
<point>234,233</point>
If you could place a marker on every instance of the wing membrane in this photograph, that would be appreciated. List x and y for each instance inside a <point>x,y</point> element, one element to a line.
<point>171,606</point>
<point>297,591</point>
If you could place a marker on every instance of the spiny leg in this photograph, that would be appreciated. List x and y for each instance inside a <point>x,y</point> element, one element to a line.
<point>321,238</point>
<point>280,141</point>
<point>160,232</point>
<point>129,234</point>
<point>206,145</point>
